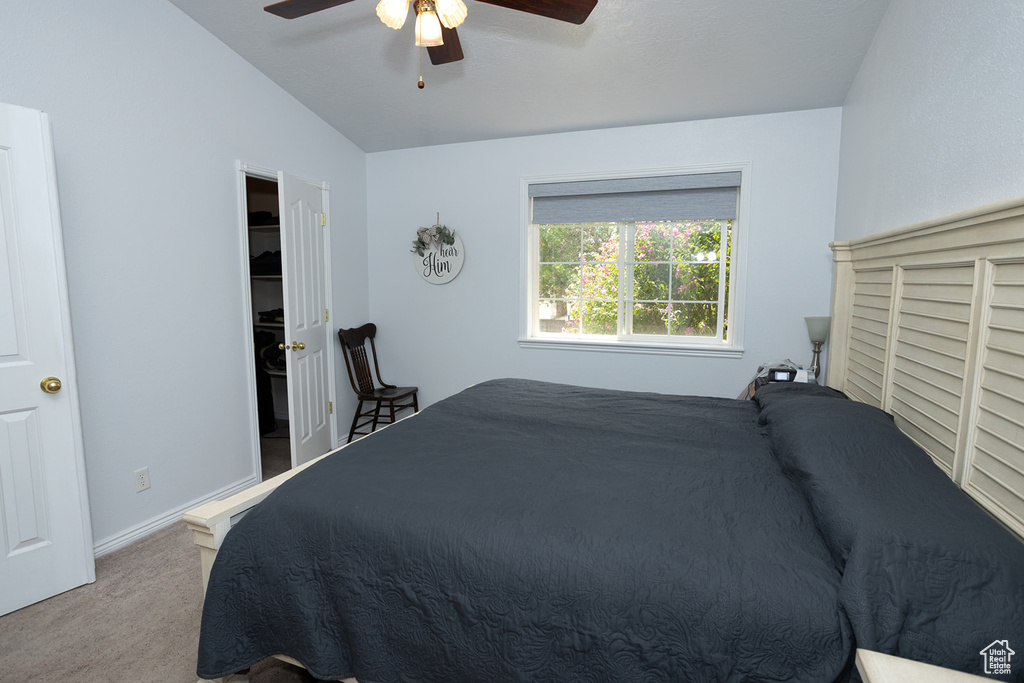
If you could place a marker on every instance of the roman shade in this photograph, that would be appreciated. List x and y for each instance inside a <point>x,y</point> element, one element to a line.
<point>699,196</point>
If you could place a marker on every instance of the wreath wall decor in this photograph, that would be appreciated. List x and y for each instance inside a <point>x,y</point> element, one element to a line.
<point>439,253</point>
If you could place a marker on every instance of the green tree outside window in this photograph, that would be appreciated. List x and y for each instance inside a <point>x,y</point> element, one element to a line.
<point>670,278</point>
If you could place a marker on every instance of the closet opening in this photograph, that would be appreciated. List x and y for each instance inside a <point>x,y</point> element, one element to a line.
<point>266,299</point>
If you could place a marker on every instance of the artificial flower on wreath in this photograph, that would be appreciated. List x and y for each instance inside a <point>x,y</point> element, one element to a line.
<point>432,238</point>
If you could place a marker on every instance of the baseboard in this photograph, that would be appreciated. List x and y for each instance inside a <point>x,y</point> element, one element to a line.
<point>139,531</point>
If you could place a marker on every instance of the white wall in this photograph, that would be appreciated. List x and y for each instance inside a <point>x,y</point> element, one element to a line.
<point>443,338</point>
<point>934,122</point>
<point>149,115</point>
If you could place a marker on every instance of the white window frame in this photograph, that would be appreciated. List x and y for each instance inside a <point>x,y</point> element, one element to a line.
<point>529,328</point>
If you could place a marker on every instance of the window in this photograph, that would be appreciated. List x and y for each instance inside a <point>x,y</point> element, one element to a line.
<point>637,262</point>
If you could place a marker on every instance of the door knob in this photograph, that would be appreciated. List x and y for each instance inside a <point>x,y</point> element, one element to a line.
<point>50,385</point>
<point>298,346</point>
<point>283,346</point>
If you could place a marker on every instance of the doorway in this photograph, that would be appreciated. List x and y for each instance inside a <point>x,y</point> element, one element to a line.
<point>266,299</point>
<point>286,242</point>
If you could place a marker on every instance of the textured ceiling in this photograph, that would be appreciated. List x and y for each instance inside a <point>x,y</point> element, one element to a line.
<point>631,63</point>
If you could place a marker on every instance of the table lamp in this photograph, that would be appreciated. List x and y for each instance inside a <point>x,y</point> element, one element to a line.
<point>817,329</point>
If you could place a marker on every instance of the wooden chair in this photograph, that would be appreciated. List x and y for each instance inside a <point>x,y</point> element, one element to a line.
<point>387,399</point>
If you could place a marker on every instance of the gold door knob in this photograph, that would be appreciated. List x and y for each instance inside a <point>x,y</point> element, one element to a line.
<point>50,385</point>
<point>298,346</point>
<point>283,346</point>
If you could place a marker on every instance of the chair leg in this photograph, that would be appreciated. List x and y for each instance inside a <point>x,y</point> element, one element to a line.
<point>376,417</point>
<point>355,421</point>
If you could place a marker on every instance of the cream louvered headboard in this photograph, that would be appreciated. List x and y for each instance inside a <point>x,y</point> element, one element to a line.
<point>928,324</point>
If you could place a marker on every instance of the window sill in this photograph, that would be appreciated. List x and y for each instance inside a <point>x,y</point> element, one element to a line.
<point>618,346</point>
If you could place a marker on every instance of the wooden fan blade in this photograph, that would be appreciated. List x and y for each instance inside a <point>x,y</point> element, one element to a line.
<point>451,51</point>
<point>572,11</point>
<point>290,9</point>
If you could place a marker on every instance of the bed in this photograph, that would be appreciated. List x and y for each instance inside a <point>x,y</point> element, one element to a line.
<point>530,531</point>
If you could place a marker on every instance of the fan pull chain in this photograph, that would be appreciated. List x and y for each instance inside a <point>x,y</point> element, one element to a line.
<point>420,83</point>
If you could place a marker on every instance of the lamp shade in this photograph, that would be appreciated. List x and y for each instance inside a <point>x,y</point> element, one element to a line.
<point>817,327</point>
<point>428,29</point>
<point>393,12</point>
<point>450,12</point>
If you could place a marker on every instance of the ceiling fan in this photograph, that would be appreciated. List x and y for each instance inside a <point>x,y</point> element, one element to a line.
<point>436,19</point>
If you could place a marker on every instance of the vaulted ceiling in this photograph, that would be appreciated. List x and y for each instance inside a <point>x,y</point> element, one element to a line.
<point>630,63</point>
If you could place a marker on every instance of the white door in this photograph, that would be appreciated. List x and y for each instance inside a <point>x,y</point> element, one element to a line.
<point>45,532</point>
<point>303,257</point>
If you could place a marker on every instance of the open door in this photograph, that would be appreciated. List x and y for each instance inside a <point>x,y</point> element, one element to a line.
<point>306,318</point>
<point>45,531</point>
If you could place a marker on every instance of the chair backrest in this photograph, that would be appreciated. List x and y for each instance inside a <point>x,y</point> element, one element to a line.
<point>357,360</point>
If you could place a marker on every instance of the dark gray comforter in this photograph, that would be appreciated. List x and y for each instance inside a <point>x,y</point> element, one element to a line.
<point>524,531</point>
<point>926,573</point>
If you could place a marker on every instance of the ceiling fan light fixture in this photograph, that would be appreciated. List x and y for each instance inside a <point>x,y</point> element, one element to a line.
<point>450,12</point>
<point>428,27</point>
<point>393,12</point>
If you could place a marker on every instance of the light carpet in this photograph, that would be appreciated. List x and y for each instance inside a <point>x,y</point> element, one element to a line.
<point>138,622</point>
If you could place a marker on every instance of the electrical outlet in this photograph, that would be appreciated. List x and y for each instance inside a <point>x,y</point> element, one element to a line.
<point>141,480</point>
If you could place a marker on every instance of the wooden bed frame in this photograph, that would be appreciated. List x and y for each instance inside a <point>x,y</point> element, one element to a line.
<point>927,324</point>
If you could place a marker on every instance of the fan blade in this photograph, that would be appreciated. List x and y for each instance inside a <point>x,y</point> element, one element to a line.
<point>572,11</point>
<point>451,51</point>
<point>290,9</point>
